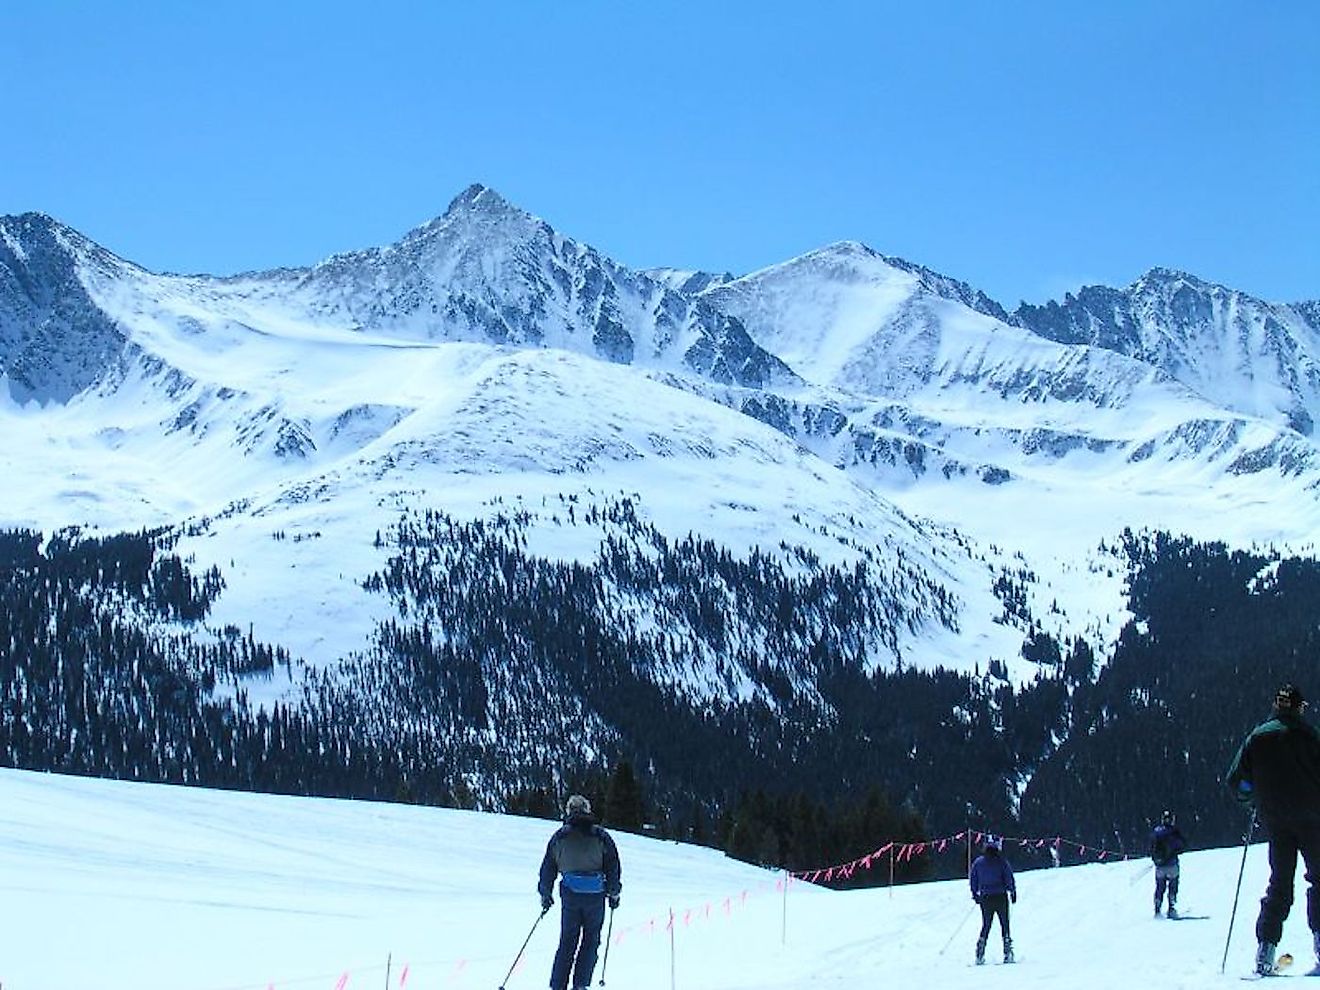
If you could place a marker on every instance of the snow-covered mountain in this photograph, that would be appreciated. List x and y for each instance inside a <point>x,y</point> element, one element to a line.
<point>843,408</point>
<point>462,367</point>
<point>937,361</point>
<point>54,339</point>
<point>1256,358</point>
<point>488,272</point>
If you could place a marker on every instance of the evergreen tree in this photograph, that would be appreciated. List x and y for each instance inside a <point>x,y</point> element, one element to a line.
<point>623,799</point>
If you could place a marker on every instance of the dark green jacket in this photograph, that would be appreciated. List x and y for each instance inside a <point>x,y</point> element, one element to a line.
<point>581,847</point>
<point>1277,769</point>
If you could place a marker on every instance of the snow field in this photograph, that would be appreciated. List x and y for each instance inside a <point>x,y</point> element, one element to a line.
<point>124,886</point>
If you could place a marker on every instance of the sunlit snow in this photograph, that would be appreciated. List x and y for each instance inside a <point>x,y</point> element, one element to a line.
<point>123,886</point>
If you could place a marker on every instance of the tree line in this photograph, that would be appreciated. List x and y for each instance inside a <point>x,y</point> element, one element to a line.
<point>690,691</point>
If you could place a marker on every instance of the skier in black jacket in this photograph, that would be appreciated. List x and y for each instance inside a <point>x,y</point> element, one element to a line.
<point>1277,769</point>
<point>584,856</point>
<point>1166,842</point>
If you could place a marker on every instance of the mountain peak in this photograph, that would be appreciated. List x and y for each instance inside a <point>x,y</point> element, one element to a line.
<point>29,235</point>
<point>29,219</point>
<point>845,249</point>
<point>1160,277</point>
<point>477,198</point>
<point>24,226</point>
<point>477,207</point>
<point>845,261</point>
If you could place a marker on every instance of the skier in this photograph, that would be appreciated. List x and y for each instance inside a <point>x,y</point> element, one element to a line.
<point>1277,769</point>
<point>1166,842</point>
<point>991,879</point>
<point>584,856</point>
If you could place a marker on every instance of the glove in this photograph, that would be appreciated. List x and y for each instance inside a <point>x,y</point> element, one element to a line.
<point>546,902</point>
<point>1013,897</point>
<point>614,902</point>
<point>977,898</point>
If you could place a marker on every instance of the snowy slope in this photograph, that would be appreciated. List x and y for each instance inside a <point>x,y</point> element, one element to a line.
<point>845,315</point>
<point>144,887</point>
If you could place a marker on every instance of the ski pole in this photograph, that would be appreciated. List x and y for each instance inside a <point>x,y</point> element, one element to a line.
<point>604,964</point>
<point>543,913</point>
<point>1238,892</point>
<point>958,929</point>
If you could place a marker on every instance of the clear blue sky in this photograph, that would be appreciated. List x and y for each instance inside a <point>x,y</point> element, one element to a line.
<point>1025,147</point>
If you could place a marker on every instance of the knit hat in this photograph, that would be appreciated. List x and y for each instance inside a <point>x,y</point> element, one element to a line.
<point>1289,698</point>
<point>577,805</point>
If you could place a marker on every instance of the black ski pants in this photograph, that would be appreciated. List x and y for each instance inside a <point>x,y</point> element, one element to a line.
<point>1287,840</point>
<point>992,905</point>
<point>1166,878</point>
<point>581,917</point>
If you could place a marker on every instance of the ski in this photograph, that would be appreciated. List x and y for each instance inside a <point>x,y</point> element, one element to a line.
<point>1281,966</point>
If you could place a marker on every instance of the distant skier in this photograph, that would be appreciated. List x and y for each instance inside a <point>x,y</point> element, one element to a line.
<point>584,855</point>
<point>1277,769</point>
<point>993,886</point>
<point>1166,842</point>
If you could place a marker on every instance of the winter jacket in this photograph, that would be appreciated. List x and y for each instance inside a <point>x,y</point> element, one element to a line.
<point>585,856</point>
<point>1166,842</point>
<point>991,874</point>
<point>1277,769</point>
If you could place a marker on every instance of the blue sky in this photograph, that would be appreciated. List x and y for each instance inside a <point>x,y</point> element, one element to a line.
<point>1025,147</point>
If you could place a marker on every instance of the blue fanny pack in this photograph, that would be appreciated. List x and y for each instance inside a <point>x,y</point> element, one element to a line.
<point>584,883</point>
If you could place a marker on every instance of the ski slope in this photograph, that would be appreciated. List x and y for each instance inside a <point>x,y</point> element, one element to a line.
<point>123,886</point>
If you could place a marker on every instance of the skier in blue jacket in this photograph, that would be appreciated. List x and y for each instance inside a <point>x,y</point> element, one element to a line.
<point>993,886</point>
